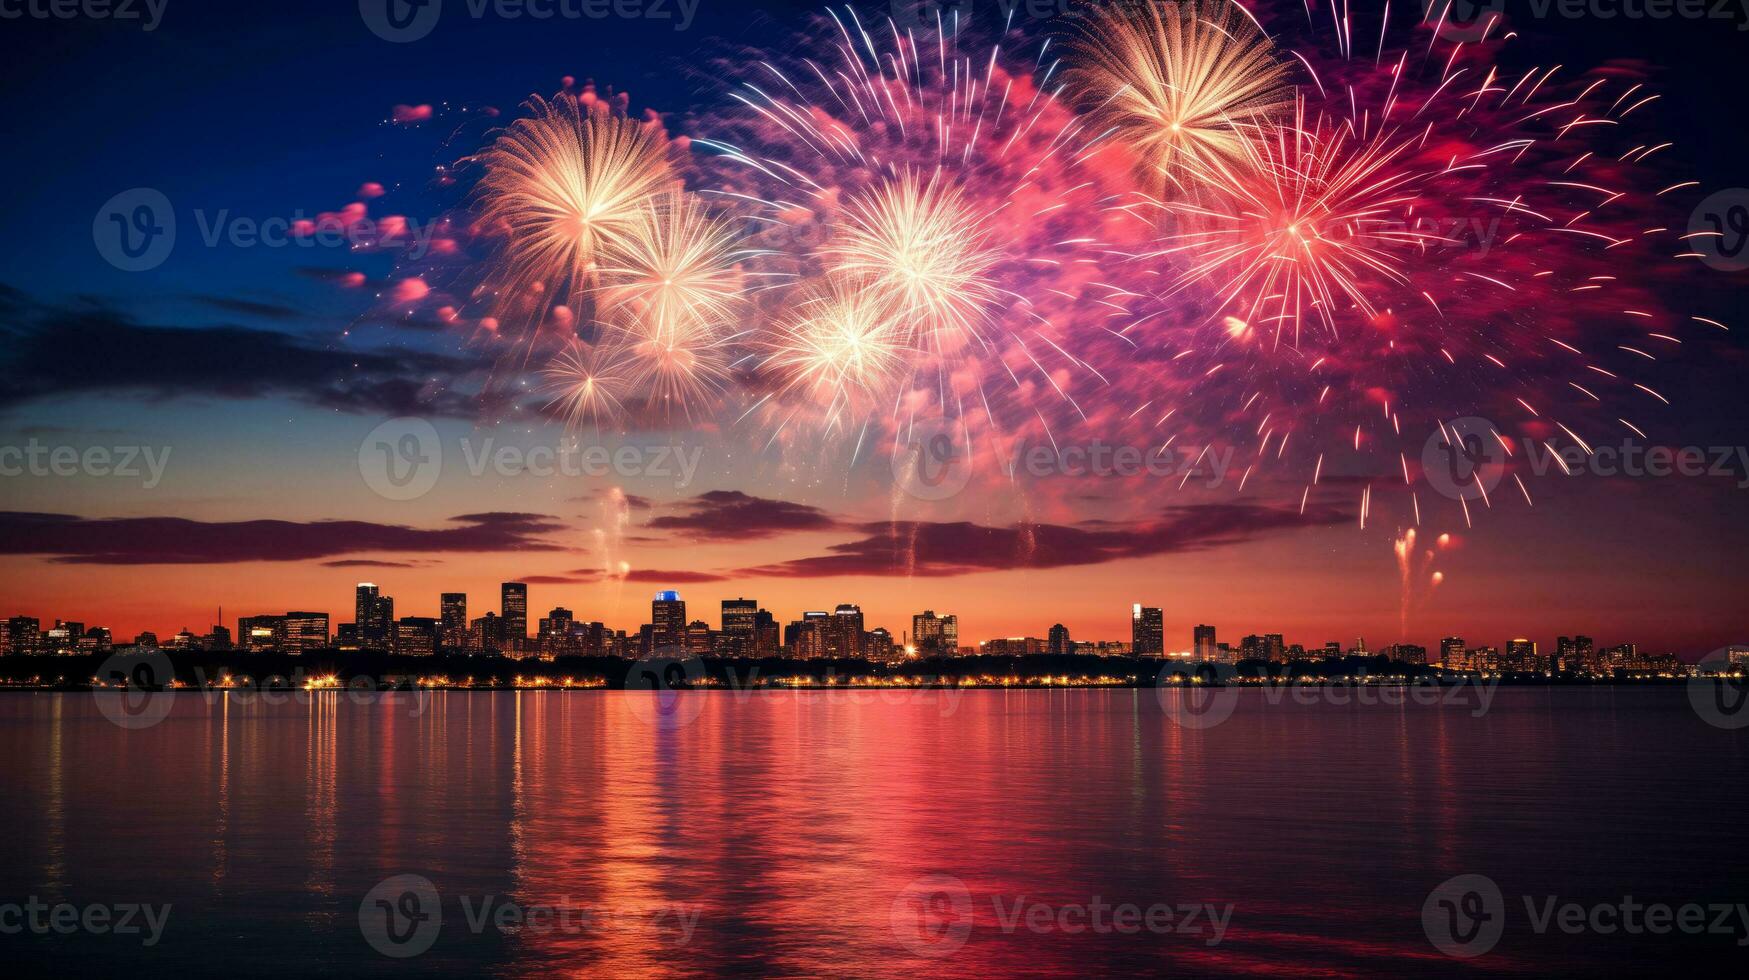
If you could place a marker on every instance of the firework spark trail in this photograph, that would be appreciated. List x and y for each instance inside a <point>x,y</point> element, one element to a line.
<point>1178,81</point>
<point>1455,232</point>
<point>941,179</point>
<point>565,188</point>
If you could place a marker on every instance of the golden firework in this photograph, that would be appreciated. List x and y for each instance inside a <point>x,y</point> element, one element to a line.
<point>839,347</point>
<point>565,186</point>
<point>926,254</point>
<point>1178,81</point>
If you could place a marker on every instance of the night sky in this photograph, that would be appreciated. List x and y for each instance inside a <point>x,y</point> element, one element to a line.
<point>262,369</point>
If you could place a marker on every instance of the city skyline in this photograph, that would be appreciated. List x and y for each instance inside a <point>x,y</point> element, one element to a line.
<point>670,624</point>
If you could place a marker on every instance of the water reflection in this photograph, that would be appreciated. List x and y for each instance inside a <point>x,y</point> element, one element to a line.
<point>881,835</point>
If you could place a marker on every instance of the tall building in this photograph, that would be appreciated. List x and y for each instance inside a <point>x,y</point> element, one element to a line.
<point>514,611</point>
<point>1275,647</point>
<point>22,634</point>
<point>304,631</point>
<point>375,615</point>
<point>667,621</point>
<point>1147,631</point>
<point>453,619</point>
<point>740,624</point>
<point>766,637</point>
<point>1453,655</point>
<point>935,636</point>
<point>1202,643</point>
<point>806,637</point>
<point>878,644</point>
<point>844,635</point>
<point>554,636</point>
<point>699,638</point>
<point>1059,642</point>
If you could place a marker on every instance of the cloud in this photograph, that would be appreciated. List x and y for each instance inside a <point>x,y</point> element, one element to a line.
<point>96,350</point>
<point>368,563</point>
<point>924,549</point>
<point>250,307</point>
<point>179,541</point>
<point>730,515</point>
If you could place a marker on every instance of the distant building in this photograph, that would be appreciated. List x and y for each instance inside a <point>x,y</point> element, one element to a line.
<point>1453,655</point>
<point>878,644</point>
<point>1013,646</point>
<point>806,637</point>
<point>935,636</point>
<point>1147,631</point>
<point>1058,641</point>
<point>1203,645</point>
<point>304,631</point>
<point>416,636</point>
<point>554,636</point>
<point>667,621</point>
<point>513,608</point>
<point>375,615</point>
<point>699,638</point>
<point>452,611</point>
<point>22,635</point>
<point>844,635</point>
<point>1521,656</point>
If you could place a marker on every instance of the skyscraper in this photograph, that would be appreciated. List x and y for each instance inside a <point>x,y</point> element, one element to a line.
<point>739,619</point>
<point>935,636</point>
<point>453,617</point>
<point>1147,631</point>
<point>374,615</point>
<point>667,621</point>
<point>1059,642</point>
<point>1453,655</point>
<point>514,612</point>
<point>1203,643</point>
<point>844,635</point>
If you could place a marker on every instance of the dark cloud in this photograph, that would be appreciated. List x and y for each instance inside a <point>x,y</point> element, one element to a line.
<point>925,549</point>
<point>730,515</point>
<point>250,307</point>
<point>368,563</point>
<point>178,541</point>
<point>98,350</point>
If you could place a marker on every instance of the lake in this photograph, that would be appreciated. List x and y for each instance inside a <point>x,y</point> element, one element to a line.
<point>872,833</point>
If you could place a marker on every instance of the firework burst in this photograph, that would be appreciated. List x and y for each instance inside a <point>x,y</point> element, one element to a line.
<point>1178,81</point>
<point>840,349</point>
<point>567,189</point>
